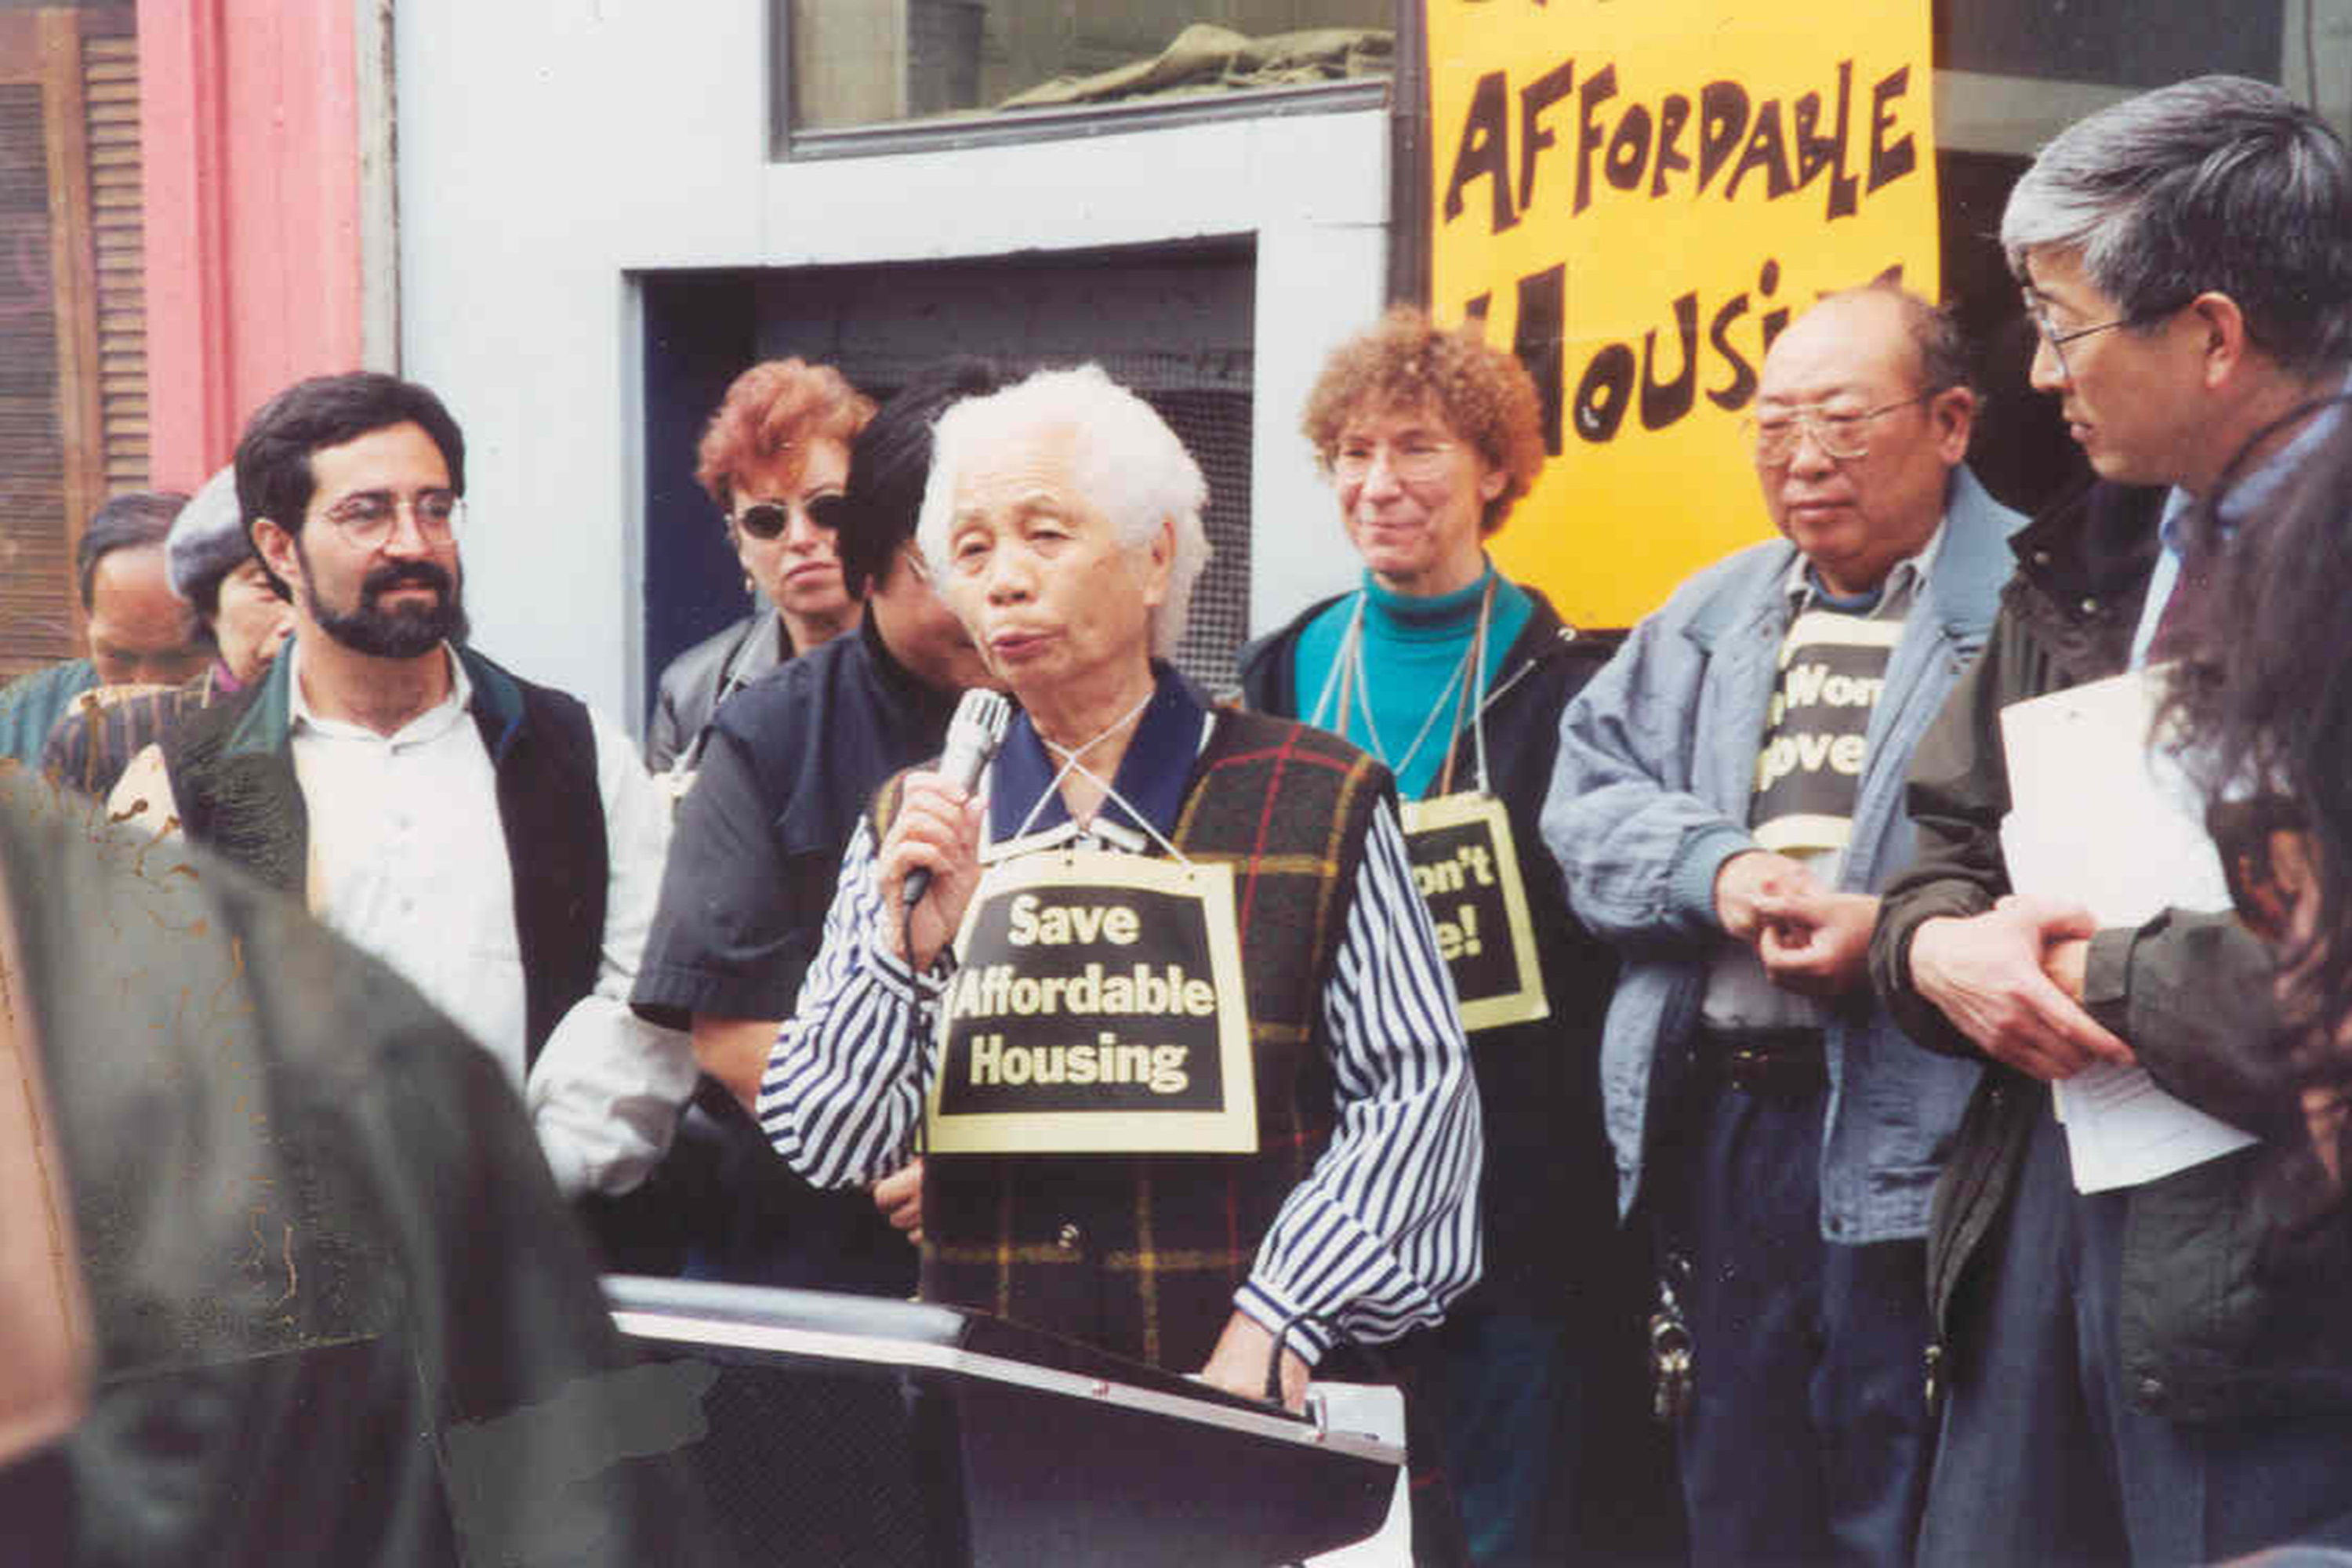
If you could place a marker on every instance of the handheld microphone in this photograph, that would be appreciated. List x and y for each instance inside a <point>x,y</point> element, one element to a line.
<point>973,736</point>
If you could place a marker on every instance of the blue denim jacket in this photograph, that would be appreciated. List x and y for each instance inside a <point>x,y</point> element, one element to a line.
<point>1650,797</point>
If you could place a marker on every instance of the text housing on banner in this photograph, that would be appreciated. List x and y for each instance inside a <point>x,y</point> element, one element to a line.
<point>1097,1007</point>
<point>1638,199</point>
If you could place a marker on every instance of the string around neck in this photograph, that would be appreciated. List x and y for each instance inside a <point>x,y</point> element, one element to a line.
<point>1072,754</point>
<point>1071,764</point>
<point>1463,692</point>
<point>1475,694</point>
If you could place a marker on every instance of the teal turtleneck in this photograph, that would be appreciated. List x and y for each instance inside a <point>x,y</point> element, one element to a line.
<point>1414,649</point>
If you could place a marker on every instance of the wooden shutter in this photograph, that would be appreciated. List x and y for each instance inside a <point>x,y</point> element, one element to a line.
<point>110,70</point>
<point>71,325</point>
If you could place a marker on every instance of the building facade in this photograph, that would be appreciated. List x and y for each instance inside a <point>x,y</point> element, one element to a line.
<point>577,219</point>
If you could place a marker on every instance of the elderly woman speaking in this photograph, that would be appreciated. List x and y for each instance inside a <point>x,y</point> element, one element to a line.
<point>1198,1095</point>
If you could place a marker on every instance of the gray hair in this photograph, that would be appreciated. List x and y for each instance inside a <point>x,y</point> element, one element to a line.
<point>1125,461</point>
<point>207,542</point>
<point>2221,183</point>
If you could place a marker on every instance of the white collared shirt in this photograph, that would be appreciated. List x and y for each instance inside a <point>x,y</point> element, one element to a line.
<point>1906,580</point>
<point>408,860</point>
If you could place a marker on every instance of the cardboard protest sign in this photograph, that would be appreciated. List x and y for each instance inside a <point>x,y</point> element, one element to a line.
<point>1467,869</point>
<point>1638,199</point>
<point>1097,1007</point>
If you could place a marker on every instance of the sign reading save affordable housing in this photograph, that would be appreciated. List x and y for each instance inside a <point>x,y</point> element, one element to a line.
<point>1637,198</point>
<point>1098,1007</point>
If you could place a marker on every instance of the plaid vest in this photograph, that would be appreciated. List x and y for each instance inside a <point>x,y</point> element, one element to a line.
<point>1140,1255</point>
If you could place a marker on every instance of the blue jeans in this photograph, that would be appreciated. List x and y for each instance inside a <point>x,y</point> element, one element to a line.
<point>2042,1459</point>
<point>1806,1438</point>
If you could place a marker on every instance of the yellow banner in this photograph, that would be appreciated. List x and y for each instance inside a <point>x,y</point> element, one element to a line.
<point>1637,197</point>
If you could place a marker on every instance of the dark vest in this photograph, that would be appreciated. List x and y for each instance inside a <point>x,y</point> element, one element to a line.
<point>232,774</point>
<point>1141,1255</point>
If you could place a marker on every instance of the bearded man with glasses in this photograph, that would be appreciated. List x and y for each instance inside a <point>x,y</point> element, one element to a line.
<point>1726,806</point>
<point>492,840</point>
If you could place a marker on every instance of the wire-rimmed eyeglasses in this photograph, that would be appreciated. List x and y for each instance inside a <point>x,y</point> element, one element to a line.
<point>2037,310</point>
<point>1772,437</point>
<point>367,518</point>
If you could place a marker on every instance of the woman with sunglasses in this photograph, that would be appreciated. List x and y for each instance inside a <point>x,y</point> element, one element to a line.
<point>778,445</point>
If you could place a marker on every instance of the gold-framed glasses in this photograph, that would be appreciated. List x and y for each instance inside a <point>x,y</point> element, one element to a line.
<point>1772,437</point>
<point>367,518</point>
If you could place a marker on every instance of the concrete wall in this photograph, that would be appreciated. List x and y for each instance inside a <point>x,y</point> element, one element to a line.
<point>550,152</point>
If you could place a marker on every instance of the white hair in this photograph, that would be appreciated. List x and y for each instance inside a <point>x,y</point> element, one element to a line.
<point>1124,461</point>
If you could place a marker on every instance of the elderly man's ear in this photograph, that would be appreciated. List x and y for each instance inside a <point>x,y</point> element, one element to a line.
<point>1954,411</point>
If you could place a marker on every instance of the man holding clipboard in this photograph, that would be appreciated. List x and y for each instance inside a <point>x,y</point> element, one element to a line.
<point>2125,1378</point>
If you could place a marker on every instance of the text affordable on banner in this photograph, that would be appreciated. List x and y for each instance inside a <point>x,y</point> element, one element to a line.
<point>1638,199</point>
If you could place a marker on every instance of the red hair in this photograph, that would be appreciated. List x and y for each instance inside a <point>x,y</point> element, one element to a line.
<point>773,411</point>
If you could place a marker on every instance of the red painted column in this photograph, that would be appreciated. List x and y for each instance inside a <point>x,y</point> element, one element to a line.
<point>249,134</point>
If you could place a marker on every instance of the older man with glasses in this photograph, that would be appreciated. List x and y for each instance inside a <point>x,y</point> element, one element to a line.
<point>2158,1370</point>
<point>1726,807</point>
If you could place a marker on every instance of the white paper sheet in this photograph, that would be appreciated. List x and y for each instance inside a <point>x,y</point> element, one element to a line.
<point>2101,820</point>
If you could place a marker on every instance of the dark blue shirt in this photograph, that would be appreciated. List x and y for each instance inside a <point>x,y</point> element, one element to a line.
<point>794,761</point>
<point>792,766</point>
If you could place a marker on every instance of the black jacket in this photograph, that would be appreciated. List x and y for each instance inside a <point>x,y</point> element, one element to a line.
<point>1547,1189</point>
<point>233,783</point>
<point>2216,1323</point>
<point>338,1315</point>
<point>791,764</point>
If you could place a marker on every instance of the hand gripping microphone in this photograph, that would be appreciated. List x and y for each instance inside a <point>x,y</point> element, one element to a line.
<point>973,736</point>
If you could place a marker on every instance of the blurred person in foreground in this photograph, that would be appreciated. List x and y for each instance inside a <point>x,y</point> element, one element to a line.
<point>1061,521</point>
<point>282,1276</point>
<point>2130,1373</point>
<point>788,770</point>
<point>778,445</point>
<point>1453,676</point>
<point>492,839</point>
<point>211,565</point>
<point>139,632</point>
